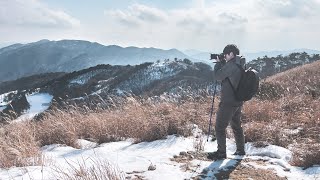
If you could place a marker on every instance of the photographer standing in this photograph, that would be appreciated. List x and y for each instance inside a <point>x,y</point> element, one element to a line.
<point>228,73</point>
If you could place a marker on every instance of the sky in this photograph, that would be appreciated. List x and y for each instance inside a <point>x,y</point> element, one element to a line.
<point>207,25</point>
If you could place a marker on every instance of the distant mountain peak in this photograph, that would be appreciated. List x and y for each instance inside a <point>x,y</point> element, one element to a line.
<point>43,41</point>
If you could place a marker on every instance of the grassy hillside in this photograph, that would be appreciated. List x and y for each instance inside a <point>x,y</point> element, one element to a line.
<point>286,112</point>
<point>301,80</point>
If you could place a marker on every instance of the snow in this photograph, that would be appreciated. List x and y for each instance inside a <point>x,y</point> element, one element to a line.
<point>83,78</point>
<point>155,71</point>
<point>293,131</point>
<point>128,157</point>
<point>39,102</point>
<point>2,97</point>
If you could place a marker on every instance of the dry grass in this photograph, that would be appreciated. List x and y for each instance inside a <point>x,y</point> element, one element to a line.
<point>18,146</point>
<point>306,156</point>
<point>260,111</point>
<point>58,130</point>
<point>142,120</point>
<point>303,79</point>
<point>89,169</point>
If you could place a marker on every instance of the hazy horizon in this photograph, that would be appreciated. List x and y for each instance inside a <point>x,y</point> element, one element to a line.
<point>2,45</point>
<point>206,25</point>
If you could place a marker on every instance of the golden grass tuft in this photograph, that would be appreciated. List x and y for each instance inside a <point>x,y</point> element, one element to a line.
<point>89,169</point>
<point>18,145</point>
<point>306,156</point>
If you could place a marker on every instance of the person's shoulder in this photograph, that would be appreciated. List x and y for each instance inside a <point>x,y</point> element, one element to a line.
<point>233,65</point>
<point>241,60</point>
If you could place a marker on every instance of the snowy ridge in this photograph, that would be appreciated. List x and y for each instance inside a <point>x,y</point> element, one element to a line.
<point>156,71</point>
<point>84,78</point>
<point>108,80</point>
<point>3,101</point>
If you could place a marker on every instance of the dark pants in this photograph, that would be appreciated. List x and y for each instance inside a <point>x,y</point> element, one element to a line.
<point>229,114</point>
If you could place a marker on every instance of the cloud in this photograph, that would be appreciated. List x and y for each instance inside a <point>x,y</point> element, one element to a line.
<point>32,13</point>
<point>123,18</point>
<point>233,19</point>
<point>252,24</point>
<point>149,14</point>
<point>193,19</point>
<point>290,8</point>
<point>198,24</point>
<point>137,14</point>
<point>201,25</point>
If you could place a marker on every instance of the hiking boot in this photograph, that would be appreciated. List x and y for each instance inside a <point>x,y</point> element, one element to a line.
<point>239,153</point>
<point>217,155</point>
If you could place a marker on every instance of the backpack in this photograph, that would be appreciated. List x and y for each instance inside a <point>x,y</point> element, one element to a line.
<point>248,84</point>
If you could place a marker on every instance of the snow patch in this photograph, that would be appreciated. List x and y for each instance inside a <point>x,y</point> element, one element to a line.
<point>271,151</point>
<point>2,107</point>
<point>85,144</point>
<point>39,102</point>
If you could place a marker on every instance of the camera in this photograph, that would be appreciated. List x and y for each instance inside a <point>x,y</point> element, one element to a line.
<point>215,56</point>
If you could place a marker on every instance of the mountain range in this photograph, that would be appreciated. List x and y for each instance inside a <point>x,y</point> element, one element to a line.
<point>20,60</point>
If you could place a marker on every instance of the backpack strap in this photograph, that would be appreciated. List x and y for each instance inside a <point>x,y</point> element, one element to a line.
<point>241,69</point>
<point>234,91</point>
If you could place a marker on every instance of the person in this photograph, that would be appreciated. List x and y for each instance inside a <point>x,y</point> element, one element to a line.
<point>228,72</point>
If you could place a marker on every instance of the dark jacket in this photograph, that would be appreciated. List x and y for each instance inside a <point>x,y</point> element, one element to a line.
<point>224,70</point>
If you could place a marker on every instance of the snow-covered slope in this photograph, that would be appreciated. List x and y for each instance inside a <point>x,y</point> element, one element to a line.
<point>4,100</point>
<point>39,102</point>
<point>147,78</point>
<point>131,160</point>
<point>153,72</point>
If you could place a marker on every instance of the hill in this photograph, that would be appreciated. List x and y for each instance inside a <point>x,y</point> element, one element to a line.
<point>105,81</point>
<point>286,112</point>
<point>268,66</point>
<point>302,79</point>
